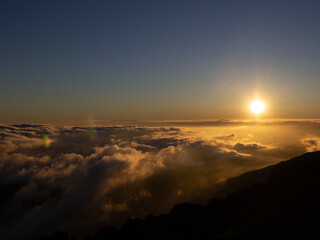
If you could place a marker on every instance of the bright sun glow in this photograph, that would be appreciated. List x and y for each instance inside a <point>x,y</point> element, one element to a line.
<point>257,107</point>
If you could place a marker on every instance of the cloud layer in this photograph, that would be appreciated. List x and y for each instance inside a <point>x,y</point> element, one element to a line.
<point>89,177</point>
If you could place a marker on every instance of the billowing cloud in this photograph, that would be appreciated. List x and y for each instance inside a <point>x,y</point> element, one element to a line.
<point>311,143</point>
<point>249,147</point>
<point>92,177</point>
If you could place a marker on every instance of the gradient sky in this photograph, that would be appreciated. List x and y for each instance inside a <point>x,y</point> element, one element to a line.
<point>156,60</point>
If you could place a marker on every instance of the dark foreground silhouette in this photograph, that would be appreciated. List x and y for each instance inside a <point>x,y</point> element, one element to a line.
<point>284,203</point>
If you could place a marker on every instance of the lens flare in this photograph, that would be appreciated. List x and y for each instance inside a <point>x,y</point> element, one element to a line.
<point>48,141</point>
<point>91,130</point>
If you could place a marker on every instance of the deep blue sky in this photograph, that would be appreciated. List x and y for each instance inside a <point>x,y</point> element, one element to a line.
<point>71,60</point>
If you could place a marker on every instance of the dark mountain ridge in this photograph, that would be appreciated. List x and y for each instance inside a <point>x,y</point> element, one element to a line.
<point>283,201</point>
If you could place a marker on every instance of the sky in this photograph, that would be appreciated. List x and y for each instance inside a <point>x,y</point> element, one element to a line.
<point>158,60</point>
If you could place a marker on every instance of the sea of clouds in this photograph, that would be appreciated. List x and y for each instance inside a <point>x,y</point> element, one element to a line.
<point>91,177</point>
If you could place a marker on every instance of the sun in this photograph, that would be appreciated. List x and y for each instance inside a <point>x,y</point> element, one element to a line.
<point>257,107</point>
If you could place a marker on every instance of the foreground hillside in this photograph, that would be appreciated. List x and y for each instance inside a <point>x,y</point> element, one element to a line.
<point>284,203</point>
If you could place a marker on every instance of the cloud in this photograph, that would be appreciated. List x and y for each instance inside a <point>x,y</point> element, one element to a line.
<point>311,144</point>
<point>226,137</point>
<point>80,182</point>
<point>249,147</point>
